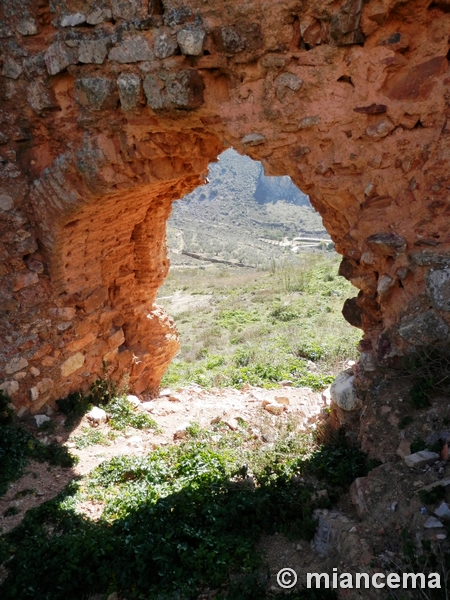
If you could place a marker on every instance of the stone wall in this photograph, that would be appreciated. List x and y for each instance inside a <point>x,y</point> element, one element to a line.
<point>110,110</point>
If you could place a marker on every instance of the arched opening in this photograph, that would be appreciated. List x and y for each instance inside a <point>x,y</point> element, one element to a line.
<point>129,122</point>
<point>253,284</point>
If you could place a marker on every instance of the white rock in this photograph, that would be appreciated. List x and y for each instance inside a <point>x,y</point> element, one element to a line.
<point>326,396</point>
<point>134,400</point>
<point>165,392</point>
<point>16,364</point>
<point>27,27</point>
<point>97,415</point>
<point>34,394</point>
<point>443,511</point>
<point>73,20</point>
<point>191,41</point>
<point>22,412</point>
<point>148,406</point>
<point>41,419</point>
<point>232,424</point>
<point>343,393</point>
<point>10,387</point>
<point>6,202</point>
<point>432,523</point>
<point>421,459</point>
<point>181,432</point>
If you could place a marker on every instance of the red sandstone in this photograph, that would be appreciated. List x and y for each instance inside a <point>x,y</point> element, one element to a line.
<point>105,123</point>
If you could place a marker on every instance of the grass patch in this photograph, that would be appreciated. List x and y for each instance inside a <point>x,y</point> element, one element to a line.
<point>122,415</point>
<point>262,328</point>
<point>90,437</point>
<point>104,393</point>
<point>176,522</point>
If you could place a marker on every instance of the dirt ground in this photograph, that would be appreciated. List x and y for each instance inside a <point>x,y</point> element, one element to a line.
<point>172,413</point>
<point>365,532</point>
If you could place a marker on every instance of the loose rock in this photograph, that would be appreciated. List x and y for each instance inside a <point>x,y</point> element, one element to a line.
<point>274,409</point>
<point>421,459</point>
<point>134,400</point>
<point>41,419</point>
<point>343,393</point>
<point>97,415</point>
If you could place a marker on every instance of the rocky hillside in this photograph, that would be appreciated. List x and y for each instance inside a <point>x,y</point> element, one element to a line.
<point>241,215</point>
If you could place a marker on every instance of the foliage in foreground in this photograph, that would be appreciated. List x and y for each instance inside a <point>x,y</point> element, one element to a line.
<point>18,446</point>
<point>105,393</point>
<point>176,522</point>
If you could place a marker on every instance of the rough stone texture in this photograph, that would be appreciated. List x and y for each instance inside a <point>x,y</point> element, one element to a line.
<point>129,86</point>
<point>165,44</point>
<point>343,393</point>
<point>421,459</point>
<point>423,330</point>
<point>350,99</point>
<point>191,41</point>
<point>133,50</point>
<point>438,286</point>
<point>92,51</point>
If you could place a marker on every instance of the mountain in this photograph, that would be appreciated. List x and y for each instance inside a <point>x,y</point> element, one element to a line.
<point>241,215</point>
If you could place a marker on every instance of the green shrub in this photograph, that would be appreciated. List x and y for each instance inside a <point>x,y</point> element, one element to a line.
<point>338,463</point>
<point>405,421</point>
<point>432,496</point>
<point>283,313</point>
<point>417,445</point>
<point>91,437</point>
<point>176,521</point>
<point>310,350</point>
<point>122,415</point>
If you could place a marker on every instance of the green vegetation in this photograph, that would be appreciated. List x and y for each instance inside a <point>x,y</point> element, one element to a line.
<point>405,421</point>
<point>123,415</point>
<point>18,446</point>
<point>179,521</point>
<point>429,372</point>
<point>260,328</point>
<point>91,437</point>
<point>432,496</point>
<point>417,445</point>
<point>104,392</point>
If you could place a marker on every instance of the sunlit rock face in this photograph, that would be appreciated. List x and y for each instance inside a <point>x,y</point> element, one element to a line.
<point>111,110</point>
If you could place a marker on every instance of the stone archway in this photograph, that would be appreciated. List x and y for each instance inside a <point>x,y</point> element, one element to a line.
<point>110,110</point>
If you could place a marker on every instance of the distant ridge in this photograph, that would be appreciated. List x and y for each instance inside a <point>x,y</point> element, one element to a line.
<point>234,216</point>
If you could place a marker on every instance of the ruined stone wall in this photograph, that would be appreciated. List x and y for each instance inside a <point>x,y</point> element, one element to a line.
<point>110,110</point>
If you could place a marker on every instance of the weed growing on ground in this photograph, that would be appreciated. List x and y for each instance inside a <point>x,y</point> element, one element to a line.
<point>179,521</point>
<point>18,446</point>
<point>262,328</point>
<point>405,421</point>
<point>90,437</point>
<point>105,392</point>
<point>122,415</point>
